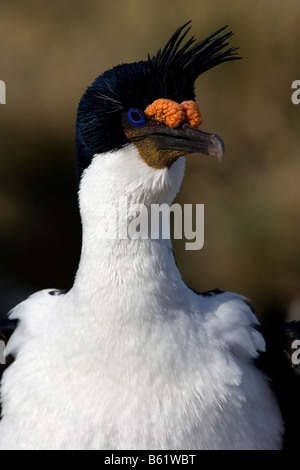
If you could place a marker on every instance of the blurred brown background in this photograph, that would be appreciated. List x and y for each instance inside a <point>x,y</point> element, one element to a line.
<point>51,51</point>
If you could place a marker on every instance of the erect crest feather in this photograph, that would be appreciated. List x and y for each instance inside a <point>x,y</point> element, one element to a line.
<point>192,59</point>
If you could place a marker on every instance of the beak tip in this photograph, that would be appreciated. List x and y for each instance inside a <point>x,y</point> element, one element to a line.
<point>216,148</point>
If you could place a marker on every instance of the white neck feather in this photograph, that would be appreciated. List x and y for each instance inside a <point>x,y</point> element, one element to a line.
<point>124,268</point>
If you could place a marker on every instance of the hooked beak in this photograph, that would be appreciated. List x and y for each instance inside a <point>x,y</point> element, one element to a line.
<point>160,145</point>
<point>188,139</point>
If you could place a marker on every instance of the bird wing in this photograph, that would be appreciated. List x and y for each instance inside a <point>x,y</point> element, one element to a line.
<point>7,327</point>
<point>231,319</point>
<point>271,349</point>
<point>16,326</point>
<point>280,362</point>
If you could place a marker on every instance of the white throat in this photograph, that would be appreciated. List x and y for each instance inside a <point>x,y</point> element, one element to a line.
<point>122,173</point>
<point>124,268</point>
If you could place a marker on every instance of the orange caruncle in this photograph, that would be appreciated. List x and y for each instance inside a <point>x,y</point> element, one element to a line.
<point>174,114</point>
<point>192,113</point>
<point>166,111</point>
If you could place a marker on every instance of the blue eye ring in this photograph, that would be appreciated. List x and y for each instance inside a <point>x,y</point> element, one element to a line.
<point>136,117</point>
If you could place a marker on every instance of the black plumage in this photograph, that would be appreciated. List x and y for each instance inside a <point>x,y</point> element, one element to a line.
<point>278,363</point>
<point>184,64</point>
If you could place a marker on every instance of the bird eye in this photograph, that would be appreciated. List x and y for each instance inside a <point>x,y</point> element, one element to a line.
<point>136,117</point>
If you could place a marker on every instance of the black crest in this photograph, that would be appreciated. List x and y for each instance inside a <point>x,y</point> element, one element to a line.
<point>192,59</point>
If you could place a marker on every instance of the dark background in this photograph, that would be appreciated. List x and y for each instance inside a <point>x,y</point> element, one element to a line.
<point>51,51</point>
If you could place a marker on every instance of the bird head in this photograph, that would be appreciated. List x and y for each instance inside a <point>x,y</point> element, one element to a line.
<point>148,109</point>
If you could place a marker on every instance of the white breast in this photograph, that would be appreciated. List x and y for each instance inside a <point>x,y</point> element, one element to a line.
<point>130,357</point>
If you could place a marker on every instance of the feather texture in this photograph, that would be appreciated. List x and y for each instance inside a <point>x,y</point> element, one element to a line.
<point>191,60</point>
